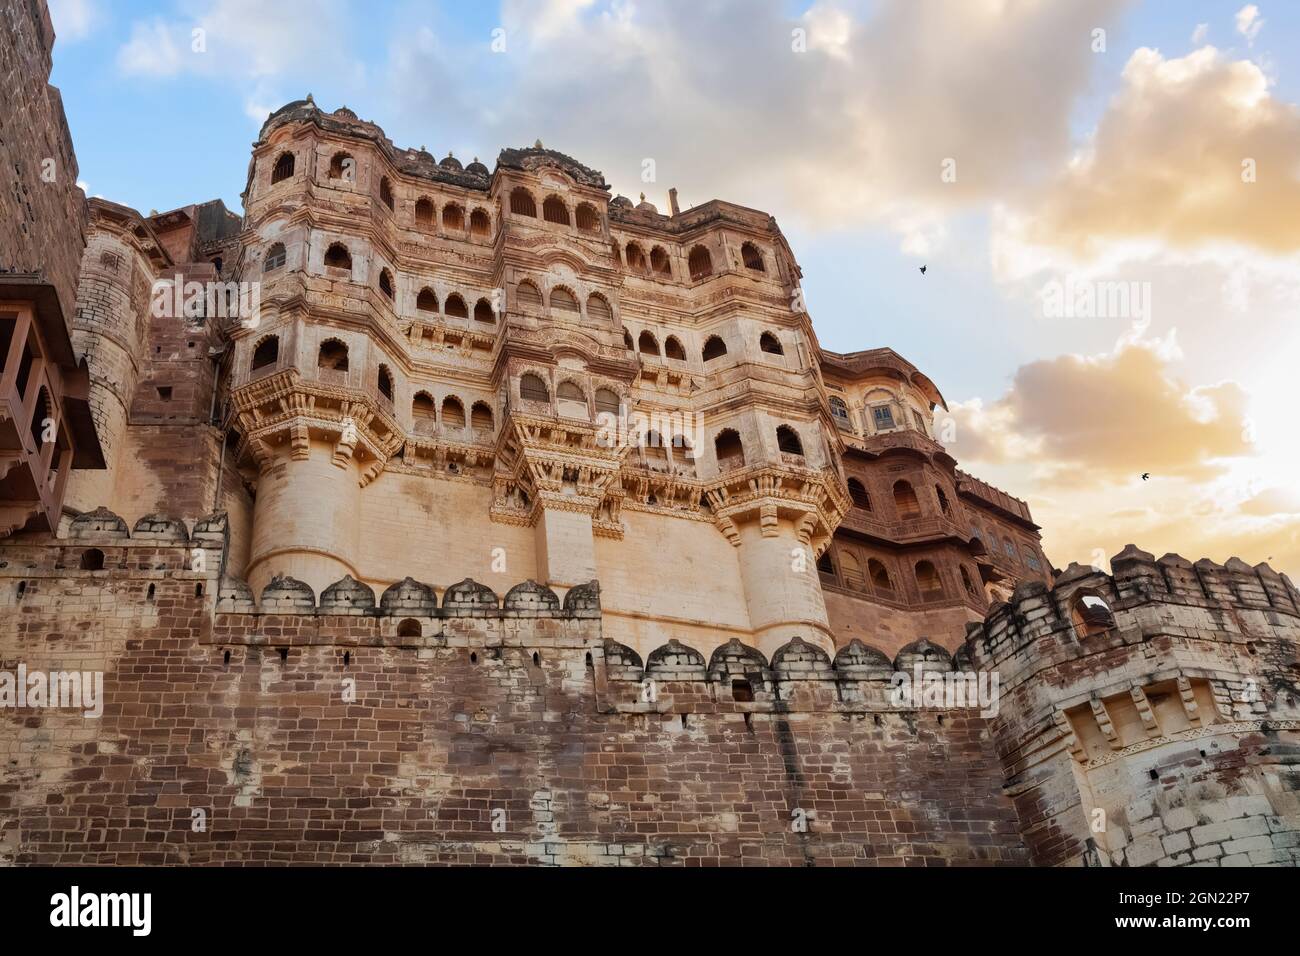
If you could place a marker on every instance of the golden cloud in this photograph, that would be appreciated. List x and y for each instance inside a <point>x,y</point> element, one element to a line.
<point>1191,150</point>
<point>1110,417</point>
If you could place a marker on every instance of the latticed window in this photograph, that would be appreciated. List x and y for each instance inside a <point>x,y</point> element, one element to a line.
<point>883,416</point>
<point>840,412</point>
<point>275,257</point>
<point>533,389</point>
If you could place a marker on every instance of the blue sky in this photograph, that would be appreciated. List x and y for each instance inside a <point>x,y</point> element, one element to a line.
<point>842,142</point>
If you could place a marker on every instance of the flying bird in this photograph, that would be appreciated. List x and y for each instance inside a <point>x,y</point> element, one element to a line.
<point>1146,475</point>
<point>922,270</point>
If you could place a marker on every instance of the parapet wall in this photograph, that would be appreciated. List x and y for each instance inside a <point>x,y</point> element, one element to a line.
<point>1150,716</point>
<point>404,728</point>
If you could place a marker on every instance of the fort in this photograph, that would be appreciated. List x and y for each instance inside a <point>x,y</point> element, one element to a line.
<point>368,582</point>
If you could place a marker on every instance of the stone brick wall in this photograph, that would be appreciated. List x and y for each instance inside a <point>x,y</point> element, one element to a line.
<point>42,212</point>
<point>1169,735</point>
<point>468,711</point>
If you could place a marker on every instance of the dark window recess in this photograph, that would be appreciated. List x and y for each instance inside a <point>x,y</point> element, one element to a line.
<point>165,393</point>
<point>741,691</point>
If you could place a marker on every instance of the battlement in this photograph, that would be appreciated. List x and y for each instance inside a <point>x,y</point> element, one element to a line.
<point>1088,611</point>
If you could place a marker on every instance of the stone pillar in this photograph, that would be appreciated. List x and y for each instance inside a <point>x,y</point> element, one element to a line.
<point>306,522</point>
<point>784,596</point>
<point>566,552</point>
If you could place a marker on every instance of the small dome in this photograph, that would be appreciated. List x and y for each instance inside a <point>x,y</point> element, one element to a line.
<point>622,202</point>
<point>477,168</point>
<point>346,113</point>
<point>423,155</point>
<point>644,206</point>
<point>450,162</point>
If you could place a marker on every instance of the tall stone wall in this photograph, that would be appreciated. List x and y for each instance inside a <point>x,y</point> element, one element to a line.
<point>1160,724</point>
<point>453,727</point>
<point>42,211</point>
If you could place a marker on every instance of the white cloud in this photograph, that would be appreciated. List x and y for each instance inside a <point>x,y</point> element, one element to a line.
<point>1249,22</point>
<point>248,42</point>
<point>1200,33</point>
<point>853,130</point>
<point>74,19</point>
<point>153,50</point>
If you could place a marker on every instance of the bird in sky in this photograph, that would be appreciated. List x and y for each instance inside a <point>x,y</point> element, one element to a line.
<point>922,270</point>
<point>1146,475</point>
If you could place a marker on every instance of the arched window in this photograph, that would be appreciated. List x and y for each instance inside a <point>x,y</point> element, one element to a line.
<point>646,344</point>
<point>840,413</point>
<point>1009,548</point>
<point>635,258</point>
<point>480,417</point>
<point>522,202</point>
<point>455,307</point>
<point>1031,559</point>
<point>275,256</point>
<point>858,494</point>
<point>385,383</point>
<point>673,349</point>
<point>905,501</point>
<point>851,571</point>
<point>483,312</point>
<point>480,224</point>
<point>453,218</point>
<point>426,301</point>
<point>528,295</point>
<point>333,356</point>
<point>453,412</point>
<point>571,400</point>
<point>533,389</point>
<point>700,263</point>
<point>587,218</point>
<point>659,262</point>
<point>554,210</point>
<point>713,348</point>
<point>424,412</point>
<point>386,282</point>
<point>338,257</point>
<point>607,401</point>
<point>598,309</point>
<point>928,581</point>
<point>92,559</point>
<point>343,166</point>
<point>267,353</point>
<point>752,258</point>
<point>283,168</point>
<point>826,565</point>
<point>424,212</point>
<point>1090,614</point>
<point>879,577</point>
<point>562,300</point>
<point>787,439</point>
<point>943,501</point>
<point>386,192</point>
<point>410,628</point>
<point>965,580</point>
<point>729,450</point>
<point>882,417</point>
<point>770,343</point>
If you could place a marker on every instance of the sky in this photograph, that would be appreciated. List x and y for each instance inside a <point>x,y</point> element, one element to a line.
<point>1105,194</point>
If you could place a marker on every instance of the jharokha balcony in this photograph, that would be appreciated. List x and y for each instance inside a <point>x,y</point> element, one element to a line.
<point>45,425</point>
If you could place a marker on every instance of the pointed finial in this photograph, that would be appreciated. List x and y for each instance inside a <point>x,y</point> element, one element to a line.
<point>311,99</point>
<point>538,145</point>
